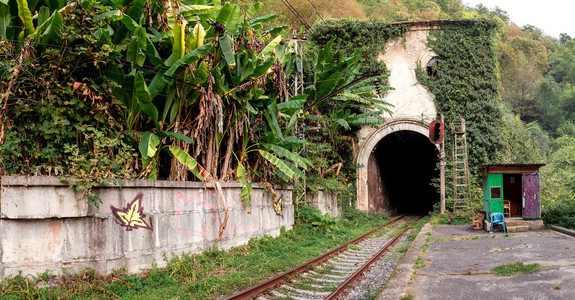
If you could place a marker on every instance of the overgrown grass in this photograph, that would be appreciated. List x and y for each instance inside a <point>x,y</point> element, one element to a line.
<point>515,268</point>
<point>212,274</point>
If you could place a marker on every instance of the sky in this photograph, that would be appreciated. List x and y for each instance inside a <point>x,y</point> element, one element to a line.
<point>553,17</point>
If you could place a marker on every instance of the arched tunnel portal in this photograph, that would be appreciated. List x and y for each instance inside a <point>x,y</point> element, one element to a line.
<point>399,171</point>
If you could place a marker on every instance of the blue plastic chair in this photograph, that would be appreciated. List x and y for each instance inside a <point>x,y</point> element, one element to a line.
<point>498,218</point>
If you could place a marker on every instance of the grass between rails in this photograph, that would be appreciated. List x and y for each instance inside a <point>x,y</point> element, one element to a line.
<point>212,274</point>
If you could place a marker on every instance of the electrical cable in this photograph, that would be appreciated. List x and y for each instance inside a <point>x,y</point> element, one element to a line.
<point>317,12</point>
<point>294,11</point>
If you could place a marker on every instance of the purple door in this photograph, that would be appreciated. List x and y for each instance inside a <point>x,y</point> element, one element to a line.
<point>531,196</point>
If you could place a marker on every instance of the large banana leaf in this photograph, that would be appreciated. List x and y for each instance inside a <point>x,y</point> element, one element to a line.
<point>282,152</point>
<point>196,37</point>
<point>233,21</point>
<point>6,29</point>
<point>50,30</point>
<point>189,58</point>
<point>145,98</point>
<point>179,46</point>
<point>175,135</point>
<point>262,68</point>
<point>149,144</point>
<point>186,160</point>
<point>26,17</point>
<point>263,19</point>
<point>135,11</point>
<point>252,10</point>
<point>276,30</point>
<point>280,164</point>
<point>271,45</point>
<point>201,74</point>
<point>225,13</point>
<point>246,192</point>
<point>295,102</point>
<point>226,46</point>
<point>43,15</point>
<point>271,114</point>
<point>112,14</point>
<point>258,71</point>
<point>187,10</point>
<point>137,46</point>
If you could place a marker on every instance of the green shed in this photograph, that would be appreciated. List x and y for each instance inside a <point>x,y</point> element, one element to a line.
<point>512,189</point>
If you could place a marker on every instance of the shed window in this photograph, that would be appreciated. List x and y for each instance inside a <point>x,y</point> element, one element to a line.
<point>496,192</point>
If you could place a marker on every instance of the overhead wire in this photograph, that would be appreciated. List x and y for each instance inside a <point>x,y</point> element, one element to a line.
<point>319,15</point>
<point>296,13</point>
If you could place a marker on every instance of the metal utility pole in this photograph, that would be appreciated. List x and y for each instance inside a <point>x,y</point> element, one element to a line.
<point>295,81</point>
<point>295,86</point>
<point>442,171</point>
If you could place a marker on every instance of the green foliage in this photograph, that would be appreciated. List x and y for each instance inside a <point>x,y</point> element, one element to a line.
<point>58,117</point>
<point>176,78</point>
<point>515,268</point>
<point>309,215</point>
<point>354,35</point>
<point>522,141</point>
<point>559,210</point>
<point>465,85</point>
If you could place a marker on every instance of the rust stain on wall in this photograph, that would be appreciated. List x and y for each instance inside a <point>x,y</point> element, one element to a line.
<point>52,240</point>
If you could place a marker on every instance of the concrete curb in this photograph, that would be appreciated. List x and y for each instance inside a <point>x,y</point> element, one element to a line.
<point>398,284</point>
<point>563,230</point>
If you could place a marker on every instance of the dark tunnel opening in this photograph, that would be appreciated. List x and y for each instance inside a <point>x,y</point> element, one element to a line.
<point>402,167</point>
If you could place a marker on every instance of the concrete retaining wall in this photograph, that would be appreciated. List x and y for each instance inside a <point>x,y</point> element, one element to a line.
<point>326,202</point>
<point>45,225</point>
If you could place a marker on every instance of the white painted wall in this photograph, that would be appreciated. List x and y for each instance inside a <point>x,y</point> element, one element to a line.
<point>44,225</point>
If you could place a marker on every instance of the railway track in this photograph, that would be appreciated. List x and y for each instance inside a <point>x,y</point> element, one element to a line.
<point>330,275</point>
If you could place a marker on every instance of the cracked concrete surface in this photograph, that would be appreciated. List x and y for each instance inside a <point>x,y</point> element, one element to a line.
<point>459,262</point>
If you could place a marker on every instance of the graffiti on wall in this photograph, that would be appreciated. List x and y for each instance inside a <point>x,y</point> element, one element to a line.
<point>278,205</point>
<point>132,216</point>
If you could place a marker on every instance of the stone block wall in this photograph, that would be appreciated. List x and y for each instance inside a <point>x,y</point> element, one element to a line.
<point>45,225</point>
<point>326,202</point>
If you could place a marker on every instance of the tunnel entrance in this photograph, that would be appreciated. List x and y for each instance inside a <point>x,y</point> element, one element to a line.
<point>400,170</point>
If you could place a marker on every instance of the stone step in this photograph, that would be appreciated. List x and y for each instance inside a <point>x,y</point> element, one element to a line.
<point>520,228</point>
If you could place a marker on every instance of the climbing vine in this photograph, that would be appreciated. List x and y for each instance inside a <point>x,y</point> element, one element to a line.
<point>465,84</point>
<point>351,35</point>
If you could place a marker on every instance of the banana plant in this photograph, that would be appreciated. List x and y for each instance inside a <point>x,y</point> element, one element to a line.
<point>151,145</point>
<point>48,18</point>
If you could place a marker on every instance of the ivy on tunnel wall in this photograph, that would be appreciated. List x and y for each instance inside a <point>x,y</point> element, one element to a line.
<point>356,35</point>
<point>465,84</point>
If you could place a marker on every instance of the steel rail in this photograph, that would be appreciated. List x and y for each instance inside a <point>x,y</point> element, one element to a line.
<point>253,290</point>
<point>355,276</point>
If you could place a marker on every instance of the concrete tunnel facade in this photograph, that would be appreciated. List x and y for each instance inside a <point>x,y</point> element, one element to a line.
<point>397,161</point>
<point>399,165</point>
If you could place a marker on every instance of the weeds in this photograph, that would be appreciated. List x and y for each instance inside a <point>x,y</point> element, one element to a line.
<point>419,263</point>
<point>353,247</point>
<point>515,268</point>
